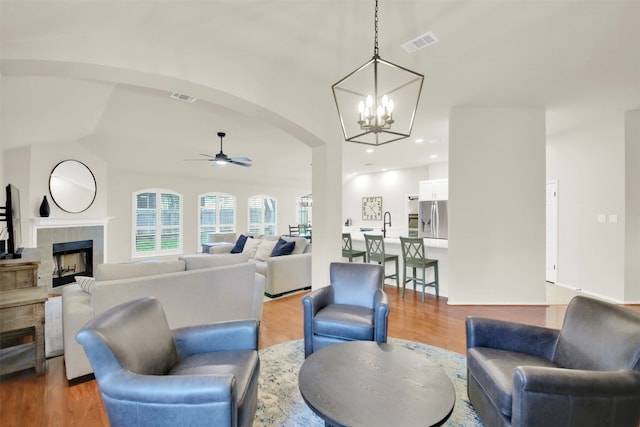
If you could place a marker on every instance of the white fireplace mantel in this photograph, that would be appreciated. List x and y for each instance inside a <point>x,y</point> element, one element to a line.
<point>68,222</point>
<point>48,222</point>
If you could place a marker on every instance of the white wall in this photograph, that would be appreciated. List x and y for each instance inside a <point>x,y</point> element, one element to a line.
<point>123,183</point>
<point>393,186</point>
<point>29,168</point>
<point>327,188</point>
<point>632,207</point>
<point>496,206</point>
<point>589,165</point>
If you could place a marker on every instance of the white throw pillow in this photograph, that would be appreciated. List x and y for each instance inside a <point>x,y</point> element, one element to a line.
<point>86,283</point>
<point>265,249</point>
<point>251,246</point>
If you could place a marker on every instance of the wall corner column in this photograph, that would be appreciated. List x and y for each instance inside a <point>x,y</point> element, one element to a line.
<point>497,206</point>
<point>327,210</point>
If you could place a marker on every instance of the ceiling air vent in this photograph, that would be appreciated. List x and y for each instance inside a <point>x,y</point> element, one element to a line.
<point>183,97</point>
<point>424,40</point>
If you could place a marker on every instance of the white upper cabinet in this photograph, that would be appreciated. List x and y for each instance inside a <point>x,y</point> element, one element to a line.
<point>435,189</point>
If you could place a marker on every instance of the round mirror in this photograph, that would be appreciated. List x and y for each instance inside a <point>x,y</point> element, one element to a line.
<point>72,186</point>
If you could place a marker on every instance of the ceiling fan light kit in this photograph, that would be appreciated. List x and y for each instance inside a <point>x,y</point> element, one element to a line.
<point>377,102</point>
<point>222,159</point>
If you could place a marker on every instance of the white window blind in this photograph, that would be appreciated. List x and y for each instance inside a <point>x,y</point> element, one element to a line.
<point>217,215</point>
<point>158,223</point>
<point>262,215</point>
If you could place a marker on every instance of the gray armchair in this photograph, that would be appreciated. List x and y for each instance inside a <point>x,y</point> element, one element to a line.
<point>151,375</point>
<point>587,374</point>
<point>353,307</point>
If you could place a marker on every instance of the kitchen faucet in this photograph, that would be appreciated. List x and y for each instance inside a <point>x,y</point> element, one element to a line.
<point>385,223</point>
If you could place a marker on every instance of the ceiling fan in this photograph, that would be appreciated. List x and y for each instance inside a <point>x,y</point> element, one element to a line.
<point>221,159</point>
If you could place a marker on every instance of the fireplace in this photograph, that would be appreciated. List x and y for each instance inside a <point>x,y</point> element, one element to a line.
<point>71,259</point>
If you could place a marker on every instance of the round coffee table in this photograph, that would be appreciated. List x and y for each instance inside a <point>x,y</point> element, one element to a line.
<point>363,383</point>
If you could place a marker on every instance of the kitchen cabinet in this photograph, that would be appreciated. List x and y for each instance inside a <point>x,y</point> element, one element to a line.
<point>435,189</point>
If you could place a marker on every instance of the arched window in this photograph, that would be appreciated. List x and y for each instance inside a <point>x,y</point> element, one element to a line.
<point>157,219</point>
<point>216,214</point>
<point>262,215</point>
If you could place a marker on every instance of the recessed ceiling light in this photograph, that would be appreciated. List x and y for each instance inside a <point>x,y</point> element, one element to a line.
<point>369,150</point>
<point>419,140</point>
<point>434,156</point>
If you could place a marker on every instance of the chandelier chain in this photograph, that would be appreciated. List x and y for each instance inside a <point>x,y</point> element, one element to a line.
<point>375,23</point>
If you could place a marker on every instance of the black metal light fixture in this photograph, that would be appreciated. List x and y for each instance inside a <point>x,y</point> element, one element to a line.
<point>377,102</point>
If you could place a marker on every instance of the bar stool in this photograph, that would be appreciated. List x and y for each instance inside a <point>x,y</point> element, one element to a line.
<point>414,258</point>
<point>347,249</point>
<point>376,253</point>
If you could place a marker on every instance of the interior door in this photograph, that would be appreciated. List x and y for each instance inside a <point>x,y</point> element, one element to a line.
<point>552,231</point>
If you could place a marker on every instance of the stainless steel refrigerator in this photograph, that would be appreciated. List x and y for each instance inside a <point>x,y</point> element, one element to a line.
<point>432,219</point>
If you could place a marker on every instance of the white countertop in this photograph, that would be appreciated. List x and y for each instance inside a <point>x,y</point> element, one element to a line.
<point>393,236</point>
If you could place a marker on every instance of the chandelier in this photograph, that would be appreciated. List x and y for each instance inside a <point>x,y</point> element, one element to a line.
<point>377,102</point>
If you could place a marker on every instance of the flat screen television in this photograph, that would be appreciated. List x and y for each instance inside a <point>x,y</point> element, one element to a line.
<point>12,217</point>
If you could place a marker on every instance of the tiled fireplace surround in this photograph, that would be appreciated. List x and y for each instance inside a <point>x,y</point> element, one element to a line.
<point>46,232</point>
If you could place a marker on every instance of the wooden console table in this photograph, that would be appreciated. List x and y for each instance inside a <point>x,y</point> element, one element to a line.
<point>23,310</point>
<point>22,313</point>
<point>20,273</point>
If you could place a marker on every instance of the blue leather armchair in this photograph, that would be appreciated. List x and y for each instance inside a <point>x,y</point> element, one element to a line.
<point>149,375</point>
<point>353,307</point>
<point>587,374</point>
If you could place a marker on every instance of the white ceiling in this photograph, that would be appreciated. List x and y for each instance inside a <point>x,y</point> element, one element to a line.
<point>101,72</point>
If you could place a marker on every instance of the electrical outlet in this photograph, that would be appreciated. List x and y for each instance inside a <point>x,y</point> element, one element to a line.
<point>602,218</point>
<point>613,218</point>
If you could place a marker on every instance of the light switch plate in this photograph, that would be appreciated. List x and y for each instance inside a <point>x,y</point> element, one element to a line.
<point>613,218</point>
<point>602,218</point>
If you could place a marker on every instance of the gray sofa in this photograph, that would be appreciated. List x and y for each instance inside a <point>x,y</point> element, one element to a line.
<point>587,374</point>
<point>283,274</point>
<point>194,290</point>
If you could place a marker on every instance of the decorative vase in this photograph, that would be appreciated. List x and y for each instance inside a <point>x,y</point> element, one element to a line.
<point>45,210</point>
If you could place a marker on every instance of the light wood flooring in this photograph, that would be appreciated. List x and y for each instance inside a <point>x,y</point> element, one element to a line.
<point>30,400</point>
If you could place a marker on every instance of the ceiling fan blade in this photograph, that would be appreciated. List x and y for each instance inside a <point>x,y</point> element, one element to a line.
<point>236,162</point>
<point>221,159</point>
<point>191,160</point>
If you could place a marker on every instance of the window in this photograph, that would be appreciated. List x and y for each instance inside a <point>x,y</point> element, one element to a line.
<point>303,209</point>
<point>158,223</point>
<point>217,214</point>
<point>262,215</point>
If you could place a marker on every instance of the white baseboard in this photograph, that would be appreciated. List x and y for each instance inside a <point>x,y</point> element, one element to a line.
<point>580,291</point>
<point>449,302</point>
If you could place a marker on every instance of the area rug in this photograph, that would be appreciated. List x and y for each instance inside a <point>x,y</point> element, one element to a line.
<point>53,327</point>
<point>280,403</point>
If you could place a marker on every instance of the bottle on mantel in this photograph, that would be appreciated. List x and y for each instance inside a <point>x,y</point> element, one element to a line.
<point>45,210</point>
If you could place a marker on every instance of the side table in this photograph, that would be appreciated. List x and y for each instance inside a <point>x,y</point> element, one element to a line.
<point>23,309</point>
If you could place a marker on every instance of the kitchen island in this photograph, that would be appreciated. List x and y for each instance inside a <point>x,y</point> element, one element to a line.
<point>434,249</point>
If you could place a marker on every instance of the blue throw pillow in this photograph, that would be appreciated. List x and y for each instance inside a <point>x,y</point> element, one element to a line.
<point>239,244</point>
<point>283,247</point>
